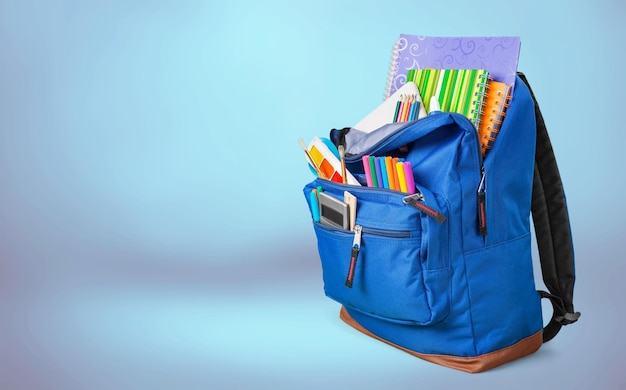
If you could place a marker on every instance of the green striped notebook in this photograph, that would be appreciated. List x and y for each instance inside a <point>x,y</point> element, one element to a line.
<point>461,91</point>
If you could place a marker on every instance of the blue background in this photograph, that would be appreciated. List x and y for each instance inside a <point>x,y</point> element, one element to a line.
<point>153,233</point>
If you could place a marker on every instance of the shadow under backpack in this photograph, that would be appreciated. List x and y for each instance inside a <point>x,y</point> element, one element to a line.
<point>446,274</point>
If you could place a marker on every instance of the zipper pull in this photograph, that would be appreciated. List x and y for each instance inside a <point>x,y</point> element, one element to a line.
<point>417,200</point>
<point>482,207</point>
<point>356,247</point>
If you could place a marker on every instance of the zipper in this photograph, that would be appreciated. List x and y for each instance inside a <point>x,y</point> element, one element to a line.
<point>417,200</point>
<point>354,254</point>
<point>356,245</point>
<point>482,206</point>
<point>388,139</point>
<point>481,193</point>
<point>386,233</point>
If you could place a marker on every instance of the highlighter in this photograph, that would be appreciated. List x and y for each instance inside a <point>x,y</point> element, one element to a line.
<point>315,207</point>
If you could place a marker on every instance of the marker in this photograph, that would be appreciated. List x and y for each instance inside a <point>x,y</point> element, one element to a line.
<point>373,171</point>
<point>379,175</point>
<point>383,171</point>
<point>401,176</point>
<point>366,168</point>
<point>396,179</point>
<point>315,207</point>
<point>390,175</point>
<point>410,181</point>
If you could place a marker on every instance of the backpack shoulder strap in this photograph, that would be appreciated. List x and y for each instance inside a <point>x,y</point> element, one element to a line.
<point>553,232</point>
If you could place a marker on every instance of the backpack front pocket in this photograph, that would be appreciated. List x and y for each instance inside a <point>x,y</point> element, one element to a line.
<point>385,267</point>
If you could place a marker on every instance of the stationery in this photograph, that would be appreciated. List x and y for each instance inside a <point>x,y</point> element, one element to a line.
<point>368,173</point>
<point>315,207</point>
<point>385,112</point>
<point>499,55</point>
<point>390,173</point>
<point>496,103</point>
<point>350,200</point>
<point>452,90</point>
<point>326,163</point>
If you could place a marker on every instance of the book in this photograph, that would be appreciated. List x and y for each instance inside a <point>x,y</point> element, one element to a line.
<point>498,55</point>
<point>497,99</point>
<point>456,90</point>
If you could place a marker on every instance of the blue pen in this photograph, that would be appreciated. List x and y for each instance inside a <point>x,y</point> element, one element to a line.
<point>315,207</point>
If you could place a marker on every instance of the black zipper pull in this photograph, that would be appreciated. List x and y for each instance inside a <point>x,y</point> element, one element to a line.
<point>354,254</point>
<point>417,200</point>
<point>482,206</point>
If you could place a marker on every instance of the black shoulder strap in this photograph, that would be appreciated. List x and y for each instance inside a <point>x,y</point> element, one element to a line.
<point>552,228</point>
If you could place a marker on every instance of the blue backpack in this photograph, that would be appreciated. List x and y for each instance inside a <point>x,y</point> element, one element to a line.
<point>446,273</point>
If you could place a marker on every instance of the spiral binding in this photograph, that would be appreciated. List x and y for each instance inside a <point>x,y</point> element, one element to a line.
<point>393,67</point>
<point>491,122</point>
<point>478,101</point>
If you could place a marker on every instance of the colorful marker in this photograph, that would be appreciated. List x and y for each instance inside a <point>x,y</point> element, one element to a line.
<point>401,176</point>
<point>315,207</point>
<point>379,176</point>
<point>366,169</point>
<point>408,174</point>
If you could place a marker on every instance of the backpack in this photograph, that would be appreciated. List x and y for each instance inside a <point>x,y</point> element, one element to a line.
<point>445,274</point>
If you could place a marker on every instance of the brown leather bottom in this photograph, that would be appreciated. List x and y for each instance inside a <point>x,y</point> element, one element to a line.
<point>469,364</point>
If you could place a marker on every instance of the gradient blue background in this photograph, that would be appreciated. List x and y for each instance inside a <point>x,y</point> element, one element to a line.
<point>153,233</point>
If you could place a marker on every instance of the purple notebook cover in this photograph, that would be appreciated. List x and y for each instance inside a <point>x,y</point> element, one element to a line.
<point>499,55</point>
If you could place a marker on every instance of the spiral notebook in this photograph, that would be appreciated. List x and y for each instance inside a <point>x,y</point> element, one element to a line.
<point>498,55</point>
<point>496,103</point>
<point>457,90</point>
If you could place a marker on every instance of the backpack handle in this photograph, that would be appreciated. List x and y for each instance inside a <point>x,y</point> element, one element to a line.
<point>553,231</point>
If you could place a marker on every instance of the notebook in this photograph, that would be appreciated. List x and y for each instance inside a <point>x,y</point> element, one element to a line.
<point>496,102</point>
<point>498,55</point>
<point>457,90</point>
